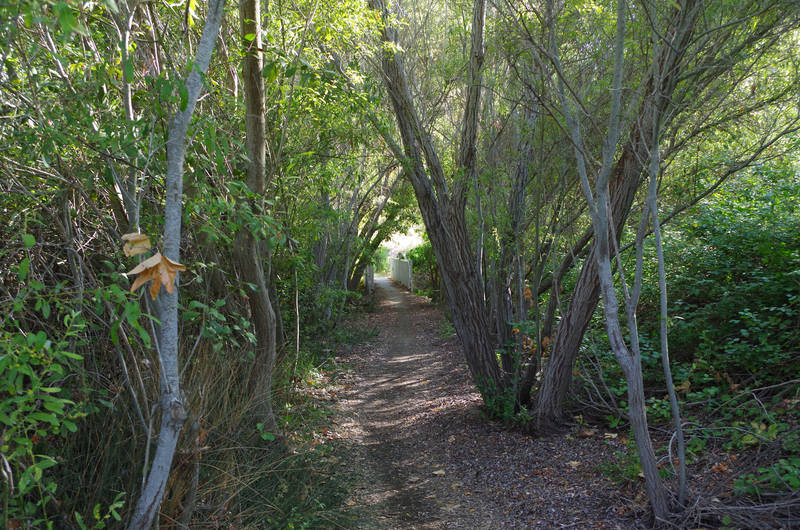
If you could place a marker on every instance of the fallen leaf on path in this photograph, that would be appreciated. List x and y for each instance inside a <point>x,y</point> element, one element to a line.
<point>439,472</point>
<point>721,467</point>
<point>573,464</point>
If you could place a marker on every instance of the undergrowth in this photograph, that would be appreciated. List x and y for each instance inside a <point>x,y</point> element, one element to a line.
<point>734,290</point>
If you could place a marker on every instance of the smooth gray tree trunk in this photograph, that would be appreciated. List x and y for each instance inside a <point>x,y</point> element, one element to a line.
<point>173,413</point>
<point>599,207</point>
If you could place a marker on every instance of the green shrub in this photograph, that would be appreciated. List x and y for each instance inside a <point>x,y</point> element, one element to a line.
<point>36,413</point>
<point>426,270</point>
<point>734,279</point>
<point>784,475</point>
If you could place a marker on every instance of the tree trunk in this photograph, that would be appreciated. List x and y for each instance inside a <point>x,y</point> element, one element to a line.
<point>569,334</point>
<point>623,184</point>
<point>173,413</point>
<point>443,211</point>
<point>247,249</point>
<point>599,205</point>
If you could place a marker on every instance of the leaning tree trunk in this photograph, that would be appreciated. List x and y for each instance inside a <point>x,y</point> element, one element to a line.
<point>247,248</point>
<point>443,209</point>
<point>173,413</point>
<point>558,371</point>
<point>623,184</point>
<point>599,207</point>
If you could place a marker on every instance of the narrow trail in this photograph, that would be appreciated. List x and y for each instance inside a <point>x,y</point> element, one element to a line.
<point>429,460</point>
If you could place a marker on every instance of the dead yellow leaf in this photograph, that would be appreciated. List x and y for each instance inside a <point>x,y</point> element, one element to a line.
<point>683,387</point>
<point>573,464</point>
<point>439,472</point>
<point>587,433</point>
<point>158,268</point>
<point>135,243</point>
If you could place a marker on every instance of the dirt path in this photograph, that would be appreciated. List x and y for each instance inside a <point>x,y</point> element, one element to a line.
<point>412,419</point>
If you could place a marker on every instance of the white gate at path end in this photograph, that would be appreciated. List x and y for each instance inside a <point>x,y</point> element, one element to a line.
<point>400,270</point>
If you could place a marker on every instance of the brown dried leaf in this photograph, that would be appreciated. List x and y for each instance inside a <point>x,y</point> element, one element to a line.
<point>150,262</point>
<point>161,270</point>
<point>587,433</point>
<point>135,243</point>
<point>721,467</point>
<point>683,387</point>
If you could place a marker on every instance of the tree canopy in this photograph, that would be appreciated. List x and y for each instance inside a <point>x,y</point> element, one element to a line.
<point>248,160</point>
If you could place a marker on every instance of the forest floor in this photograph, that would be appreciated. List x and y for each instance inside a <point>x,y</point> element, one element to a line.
<point>410,420</point>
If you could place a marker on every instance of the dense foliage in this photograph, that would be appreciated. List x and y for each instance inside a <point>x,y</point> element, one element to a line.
<point>88,95</point>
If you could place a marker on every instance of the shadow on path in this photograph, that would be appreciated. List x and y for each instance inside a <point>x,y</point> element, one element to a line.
<point>411,419</point>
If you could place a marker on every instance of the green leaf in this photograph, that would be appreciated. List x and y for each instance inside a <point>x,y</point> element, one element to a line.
<point>164,88</point>
<point>132,312</point>
<point>26,481</point>
<point>23,269</point>
<point>270,72</point>
<point>46,462</point>
<point>114,333</point>
<point>112,6</point>
<point>38,340</point>
<point>54,406</point>
<point>143,334</point>
<point>66,18</point>
<point>191,12</point>
<point>250,37</point>
<point>28,240</point>
<point>44,416</point>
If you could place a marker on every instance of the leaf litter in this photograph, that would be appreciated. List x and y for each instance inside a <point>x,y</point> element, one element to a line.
<point>429,459</point>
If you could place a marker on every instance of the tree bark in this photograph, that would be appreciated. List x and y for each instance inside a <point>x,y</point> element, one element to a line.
<point>624,181</point>
<point>173,413</point>
<point>558,371</point>
<point>443,211</point>
<point>247,249</point>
